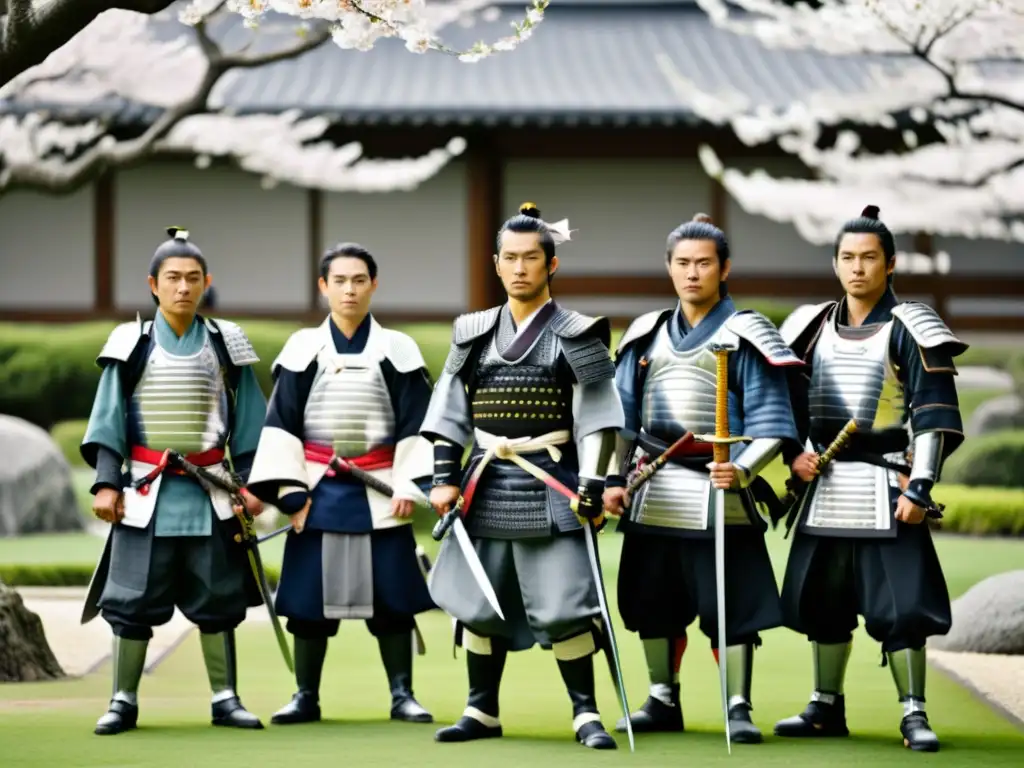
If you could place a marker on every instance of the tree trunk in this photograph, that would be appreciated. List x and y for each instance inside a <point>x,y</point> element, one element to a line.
<point>25,655</point>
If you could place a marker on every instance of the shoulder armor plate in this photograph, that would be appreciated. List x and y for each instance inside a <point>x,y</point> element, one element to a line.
<point>642,326</point>
<point>300,350</point>
<point>927,328</point>
<point>237,343</point>
<point>472,326</point>
<point>588,357</point>
<point>800,319</point>
<point>569,324</point>
<point>122,341</point>
<point>403,351</point>
<point>763,336</point>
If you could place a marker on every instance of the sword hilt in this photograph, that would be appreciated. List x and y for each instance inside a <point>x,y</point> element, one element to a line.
<point>447,520</point>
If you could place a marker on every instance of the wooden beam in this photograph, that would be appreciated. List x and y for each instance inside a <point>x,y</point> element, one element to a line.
<point>103,242</point>
<point>485,190</point>
<point>315,238</point>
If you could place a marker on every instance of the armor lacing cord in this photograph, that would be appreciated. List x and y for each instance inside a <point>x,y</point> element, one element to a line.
<point>506,449</point>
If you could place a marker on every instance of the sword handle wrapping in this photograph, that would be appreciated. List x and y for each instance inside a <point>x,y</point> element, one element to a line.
<point>447,521</point>
<point>721,450</point>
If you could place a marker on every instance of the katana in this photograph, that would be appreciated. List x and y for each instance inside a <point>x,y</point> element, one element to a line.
<point>590,535</point>
<point>247,538</point>
<point>795,486</point>
<point>721,441</point>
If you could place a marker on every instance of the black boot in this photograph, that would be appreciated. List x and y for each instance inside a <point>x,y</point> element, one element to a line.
<point>578,675</point>
<point>662,711</point>
<point>739,677</point>
<point>129,659</point>
<point>908,672</point>
<point>309,663</point>
<point>825,715</point>
<point>222,669</point>
<point>480,720</point>
<point>396,653</point>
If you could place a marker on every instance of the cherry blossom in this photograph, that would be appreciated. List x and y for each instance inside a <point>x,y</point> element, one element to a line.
<point>947,82</point>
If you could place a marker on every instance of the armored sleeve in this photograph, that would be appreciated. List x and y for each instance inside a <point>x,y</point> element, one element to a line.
<point>278,469</point>
<point>410,395</point>
<point>930,404</point>
<point>767,414</point>
<point>448,422</point>
<point>625,383</point>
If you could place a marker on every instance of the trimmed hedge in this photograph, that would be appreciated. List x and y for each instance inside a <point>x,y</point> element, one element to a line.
<point>995,459</point>
<point>48,373</point>
<point>981,511</point>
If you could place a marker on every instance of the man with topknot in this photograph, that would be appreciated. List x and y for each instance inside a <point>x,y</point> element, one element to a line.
<point>179,382</point>
<point>668,379</point>
<point>530,383</point>
<point>862,544</point>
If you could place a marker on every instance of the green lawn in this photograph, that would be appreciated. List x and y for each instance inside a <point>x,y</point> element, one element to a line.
<point>535,710</point>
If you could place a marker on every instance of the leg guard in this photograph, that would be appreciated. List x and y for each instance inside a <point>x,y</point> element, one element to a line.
<point>825,715</point>
<point>129,659</point>
<point>396,653</point>
<point>908,672</point>
<point>222,670</point>
<point>739,678</point>
<point>485,663</point>
<point>575,658</point>
<point>309,663</point>
<point>662,711</point>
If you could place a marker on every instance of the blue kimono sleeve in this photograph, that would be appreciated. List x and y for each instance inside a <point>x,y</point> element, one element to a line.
<point>410,397</point>
<point>105,444</point>
<point>249,414</point>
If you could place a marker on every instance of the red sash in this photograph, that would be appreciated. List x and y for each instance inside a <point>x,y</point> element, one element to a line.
<point>379,458</point>
<point>204,459</point>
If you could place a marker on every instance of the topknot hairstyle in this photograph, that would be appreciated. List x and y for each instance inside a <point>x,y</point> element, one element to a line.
<point>700,227</point>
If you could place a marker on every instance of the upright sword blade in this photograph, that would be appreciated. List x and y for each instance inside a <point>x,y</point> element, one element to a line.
<point>475,566</point>
<point>719,505</point>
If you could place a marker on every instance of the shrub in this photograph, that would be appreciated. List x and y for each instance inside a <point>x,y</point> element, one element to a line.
<point>68,437</point>
<point>995,459</point>
<point>981,511</point>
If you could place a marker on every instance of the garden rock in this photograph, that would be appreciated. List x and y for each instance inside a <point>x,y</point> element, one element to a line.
<point>25,655</point>
<point>988,618</point>
<point>36,490</point>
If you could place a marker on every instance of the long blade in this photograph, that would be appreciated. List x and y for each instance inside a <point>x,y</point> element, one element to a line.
<point>602,601</point>
<point>475,566</point>
<point>719,500</point>
<point>261,580</point>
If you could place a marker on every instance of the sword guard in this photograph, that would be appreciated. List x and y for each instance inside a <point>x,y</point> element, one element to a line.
<point>722,440</point>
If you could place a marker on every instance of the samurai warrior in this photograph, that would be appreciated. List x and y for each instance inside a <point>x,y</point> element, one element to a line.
<point>862,545</point>
<point>532,385</point>
<point>668,377</point>
<point>354,390</point>
<point>182,382</point>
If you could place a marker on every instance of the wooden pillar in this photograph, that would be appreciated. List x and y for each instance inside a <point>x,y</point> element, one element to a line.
<point>924,244</point>
<point>103,243</point>
<point>485,192</point>
<point>315,238</point>
<point>718,206</point>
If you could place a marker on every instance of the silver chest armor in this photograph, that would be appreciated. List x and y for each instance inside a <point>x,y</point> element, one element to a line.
<point>181,401</point>
<point>349,406</point>
<point>679,396</point>
<point>847,381</point>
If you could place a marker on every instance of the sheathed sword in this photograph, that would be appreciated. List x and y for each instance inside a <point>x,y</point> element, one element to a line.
<point>650,470</point>
<point>795,486</point>
<point>721,441</point>
<point>590,535</point>
<point>247,537</point>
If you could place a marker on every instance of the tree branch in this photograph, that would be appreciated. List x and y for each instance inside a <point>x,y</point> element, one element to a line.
<point>31,34</point>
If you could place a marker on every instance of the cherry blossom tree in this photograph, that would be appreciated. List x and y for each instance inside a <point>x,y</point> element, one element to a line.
<point>946,82</point>
<point>118,57</point>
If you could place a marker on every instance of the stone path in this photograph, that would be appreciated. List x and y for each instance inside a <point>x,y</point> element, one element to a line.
<point>997,678</point>
<point>82,649</point>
